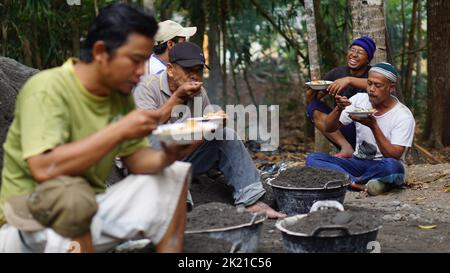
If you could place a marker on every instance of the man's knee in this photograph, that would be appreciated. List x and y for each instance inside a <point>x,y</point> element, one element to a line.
<point>313,158</point>
<point>64,204</point>
<point>393,166</point>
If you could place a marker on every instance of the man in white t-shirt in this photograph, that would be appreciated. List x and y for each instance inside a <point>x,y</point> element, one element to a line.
<point>382,139</point>
<point>169,33</point>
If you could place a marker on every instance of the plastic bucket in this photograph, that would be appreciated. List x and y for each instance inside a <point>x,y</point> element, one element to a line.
<point>244,237</point>
<point>294,201</point>
<point>341,241</point>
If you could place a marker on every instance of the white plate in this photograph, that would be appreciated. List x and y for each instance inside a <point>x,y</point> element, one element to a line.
<point>362,114</point>
<point>214,119</point>
<point>174,133</point>
<point>319,87</point>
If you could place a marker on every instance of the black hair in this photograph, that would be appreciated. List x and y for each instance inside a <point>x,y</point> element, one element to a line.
<point>161,48</point>
<point>113,25</point>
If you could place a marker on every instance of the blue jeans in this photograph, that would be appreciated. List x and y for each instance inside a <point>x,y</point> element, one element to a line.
<point>233,160</point>
<point>386,170</point>
<point>348,131</point>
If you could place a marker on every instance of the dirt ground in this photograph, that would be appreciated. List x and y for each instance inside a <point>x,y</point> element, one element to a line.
<point>415,218</point>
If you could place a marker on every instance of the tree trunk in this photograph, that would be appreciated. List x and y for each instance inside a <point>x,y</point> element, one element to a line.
<point>408,78</point>
<point>4,28</point>
<point>402,65</point>
<point>198,19</point>
<point>321,143</point>
<point>418,54</point>
<point>368,20</point>
<point>149,4</point>
<point>75,24</point>
<point>214,78</point>
<point>96,7</point>
<point>437,131</point>
<point>327,46</point>
<point>223,27</point>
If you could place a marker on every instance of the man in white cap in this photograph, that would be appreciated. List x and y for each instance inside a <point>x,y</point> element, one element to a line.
<point>169,33</point>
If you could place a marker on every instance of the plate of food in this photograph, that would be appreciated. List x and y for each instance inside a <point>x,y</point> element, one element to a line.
<point>318,85</point>
<point>362,112</point>
<point>215,117</point>
<point>184,133</point>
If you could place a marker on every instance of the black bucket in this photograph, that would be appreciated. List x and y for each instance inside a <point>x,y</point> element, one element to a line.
<point>294,201</point>
<point>341,240</point>
<point>244,238</point>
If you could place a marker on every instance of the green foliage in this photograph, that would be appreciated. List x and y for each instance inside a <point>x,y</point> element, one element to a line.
<point>44,33</point>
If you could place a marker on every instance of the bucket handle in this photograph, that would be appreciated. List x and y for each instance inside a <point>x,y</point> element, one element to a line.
<point>341,183</point>
<point>255,216</point>
<point>326,204</point>
<point>319,230</point>
<point>236,247</point>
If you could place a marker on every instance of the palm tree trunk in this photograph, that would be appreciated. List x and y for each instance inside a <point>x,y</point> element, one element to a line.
<point>407,89</point>
<point>368,19</point>
<point>321,143</point>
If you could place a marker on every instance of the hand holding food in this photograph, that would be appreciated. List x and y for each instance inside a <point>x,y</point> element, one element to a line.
<point>188,89</point>
<point>338,86</point>
<point>139,123</point>
<point>342,102</point>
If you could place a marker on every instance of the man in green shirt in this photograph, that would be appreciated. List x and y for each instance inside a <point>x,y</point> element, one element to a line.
<point>71,121</point>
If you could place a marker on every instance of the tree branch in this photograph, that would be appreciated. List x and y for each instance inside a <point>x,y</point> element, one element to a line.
<point>266,15</point>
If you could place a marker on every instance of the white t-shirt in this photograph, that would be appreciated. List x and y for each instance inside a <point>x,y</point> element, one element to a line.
<point>397,126</point>
<point>155,66</point>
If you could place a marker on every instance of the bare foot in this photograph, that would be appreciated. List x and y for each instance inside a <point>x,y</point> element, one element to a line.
<point>260,207</point>
<point>359,187</point>
<point>346,152</point>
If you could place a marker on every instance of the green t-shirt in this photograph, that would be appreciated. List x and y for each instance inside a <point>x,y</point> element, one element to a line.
<point>54,108</point>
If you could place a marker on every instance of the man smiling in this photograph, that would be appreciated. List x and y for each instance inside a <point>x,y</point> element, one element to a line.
<point>348,81</point>
<point>382,139</point>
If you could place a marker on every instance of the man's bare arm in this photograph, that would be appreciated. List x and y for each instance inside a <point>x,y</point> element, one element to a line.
<point>340,84</point>
<point>148,160</point>
<point>76,157</point>
<point>385,146</point>
<point>332,122</point>
<point>184,92</point>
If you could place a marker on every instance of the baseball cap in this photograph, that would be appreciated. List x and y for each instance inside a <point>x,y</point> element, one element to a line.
<point>187,54</point>
<point>65,204</point>
<point>169,29</point>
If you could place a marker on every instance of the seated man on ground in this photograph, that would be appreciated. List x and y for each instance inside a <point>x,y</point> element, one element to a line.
<point>70,122</point>
<point>347,80</point>
<point>181,84</point>
<point>382,139</point>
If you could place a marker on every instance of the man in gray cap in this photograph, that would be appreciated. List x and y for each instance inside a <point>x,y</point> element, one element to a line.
<point>181,85</point>
<point>169,33</point>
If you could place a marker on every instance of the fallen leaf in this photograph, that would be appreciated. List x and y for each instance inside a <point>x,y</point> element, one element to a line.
<point>427,227</point>
<point>447,190</point>
<point>420,198</point>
